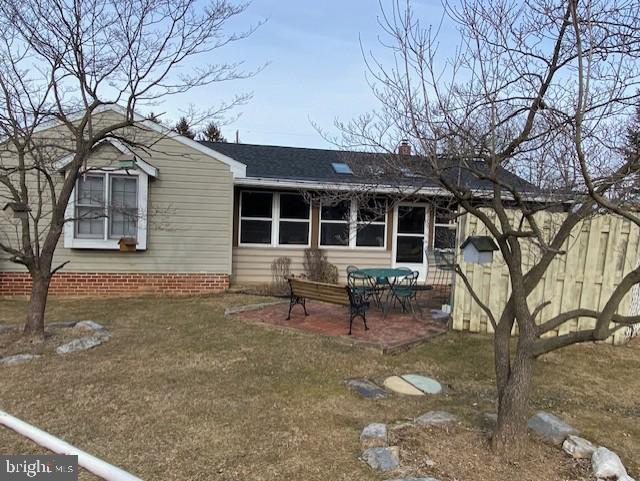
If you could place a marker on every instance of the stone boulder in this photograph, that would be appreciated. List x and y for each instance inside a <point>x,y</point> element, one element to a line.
<point>62,324</point>
<point>382,459</point>
<point>374,436</point>
<point>626,477</point>
<point>367,389</point>
<point>436,418</point>
<point>551,428</point>
<point>89,326</point>
<point>607,464</point>
<point>578,448</point>
<point>490,418</point>
<point>18,359</point>
<point>5,328</point>
<point>82,344</point>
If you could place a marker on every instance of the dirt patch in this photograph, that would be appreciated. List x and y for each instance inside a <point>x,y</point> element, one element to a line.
<point>462,453</point>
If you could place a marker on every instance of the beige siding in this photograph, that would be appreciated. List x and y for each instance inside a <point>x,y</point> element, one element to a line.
<point>253,264</point>
<point>190,205</point>
<point>599,253</point>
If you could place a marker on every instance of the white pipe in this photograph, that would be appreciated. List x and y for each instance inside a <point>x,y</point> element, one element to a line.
<point>87,461</point>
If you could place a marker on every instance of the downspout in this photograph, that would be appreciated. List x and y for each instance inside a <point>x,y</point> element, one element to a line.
<point>92,464</point>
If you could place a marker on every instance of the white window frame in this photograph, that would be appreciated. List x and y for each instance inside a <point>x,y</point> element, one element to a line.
<point>96,207</point>
<point>275,222</point>
<point>348,222</point>
<point>278,218</point>
<point>106,243</point>
<point>110,218</point>
<point>353,228</point>
<point>452,225</point>
<point>383,222</point>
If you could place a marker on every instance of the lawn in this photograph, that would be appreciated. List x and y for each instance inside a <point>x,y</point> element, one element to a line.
<point>181,393</point>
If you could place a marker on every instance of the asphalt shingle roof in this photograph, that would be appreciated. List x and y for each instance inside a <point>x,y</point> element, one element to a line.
<point>481,243</point>
<point>294,163</point>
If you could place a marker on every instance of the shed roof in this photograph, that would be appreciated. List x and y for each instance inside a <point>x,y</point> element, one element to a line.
<point>482,243</point>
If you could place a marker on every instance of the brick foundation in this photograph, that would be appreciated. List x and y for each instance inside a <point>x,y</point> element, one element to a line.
<point>74,284</point>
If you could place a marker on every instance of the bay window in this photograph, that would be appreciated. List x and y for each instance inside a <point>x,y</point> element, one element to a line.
<point>107,206</point>
<point>90,207</point>
<point>123,207</point>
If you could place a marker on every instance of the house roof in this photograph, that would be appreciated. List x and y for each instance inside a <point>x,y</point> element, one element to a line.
<point>237,168</point>
<point>482,243</point>
<point>316,165</point>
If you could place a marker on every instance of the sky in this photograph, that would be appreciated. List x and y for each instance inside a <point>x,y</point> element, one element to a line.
<point>315,71</point>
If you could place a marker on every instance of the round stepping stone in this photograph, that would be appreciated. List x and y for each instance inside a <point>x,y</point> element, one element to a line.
<point>426,384</point>
<point>399,385</point>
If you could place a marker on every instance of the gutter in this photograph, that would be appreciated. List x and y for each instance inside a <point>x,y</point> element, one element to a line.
<point>374,188</point>
<point>341,186</point>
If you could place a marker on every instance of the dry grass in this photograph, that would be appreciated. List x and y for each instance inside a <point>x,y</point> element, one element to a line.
<point>436,451</point>
<point>182,393</point>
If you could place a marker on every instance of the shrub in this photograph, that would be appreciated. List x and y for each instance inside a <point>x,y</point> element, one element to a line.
<point>280,270</point>
<point>318,268</point>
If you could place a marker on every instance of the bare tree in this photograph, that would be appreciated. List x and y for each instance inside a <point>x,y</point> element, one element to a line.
<point>61,63</point>
<point>542,88</point>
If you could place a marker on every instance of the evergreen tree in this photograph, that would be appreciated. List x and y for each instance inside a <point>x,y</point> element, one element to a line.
<point>183,128</point>
<point>153,117</point>
<point>212,133</point>
<point>633,135</point>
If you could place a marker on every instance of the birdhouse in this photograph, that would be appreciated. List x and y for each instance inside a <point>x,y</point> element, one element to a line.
<point>19,209</point>
<point>478,249</point>
<point>127,244</point>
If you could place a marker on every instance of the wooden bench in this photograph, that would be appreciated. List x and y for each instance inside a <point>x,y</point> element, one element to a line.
<point>302,289</point>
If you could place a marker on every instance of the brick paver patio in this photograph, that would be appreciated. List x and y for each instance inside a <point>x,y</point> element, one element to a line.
<point>396,331</point>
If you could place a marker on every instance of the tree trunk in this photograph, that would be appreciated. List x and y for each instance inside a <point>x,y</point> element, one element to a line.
<point>513,402</point>
<point>34,325</point>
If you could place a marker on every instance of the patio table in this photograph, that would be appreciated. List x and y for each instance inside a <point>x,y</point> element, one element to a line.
<point>390,274</point>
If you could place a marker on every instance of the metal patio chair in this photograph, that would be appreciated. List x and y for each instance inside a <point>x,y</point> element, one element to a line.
<point>351,269</point>
<point>404,292</point>
<point>363,285</point>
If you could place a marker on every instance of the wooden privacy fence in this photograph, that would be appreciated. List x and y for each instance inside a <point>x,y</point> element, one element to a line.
<point>599,252</point>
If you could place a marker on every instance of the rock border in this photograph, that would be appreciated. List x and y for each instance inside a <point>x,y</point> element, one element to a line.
<point>97,335</point>
<point>605,464</point>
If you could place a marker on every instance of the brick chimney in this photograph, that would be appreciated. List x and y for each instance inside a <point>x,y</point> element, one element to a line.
<point>404,148</point>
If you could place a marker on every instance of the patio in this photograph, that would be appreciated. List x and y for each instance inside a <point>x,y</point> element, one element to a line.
<point>394,332</point>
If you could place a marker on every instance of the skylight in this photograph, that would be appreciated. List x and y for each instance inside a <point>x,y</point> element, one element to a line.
<point>341,168</point>
<point>407,172</point>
